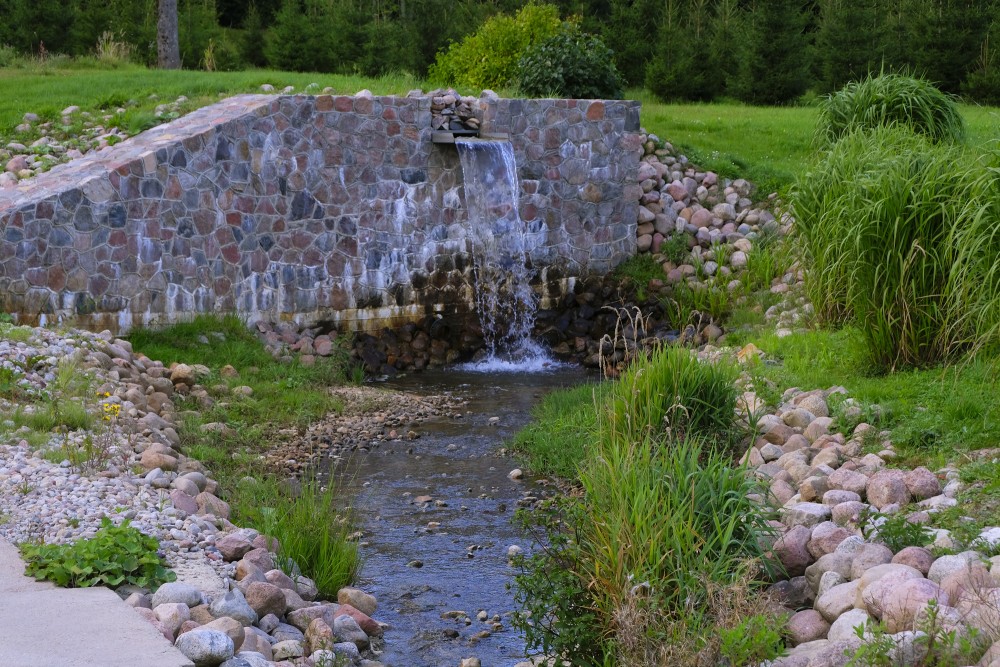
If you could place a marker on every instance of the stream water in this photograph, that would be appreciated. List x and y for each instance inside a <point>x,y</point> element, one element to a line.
<point>462,534</point>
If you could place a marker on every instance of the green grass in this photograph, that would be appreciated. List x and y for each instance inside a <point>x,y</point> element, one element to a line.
<point>935,415</point>
<point>663,510</point>
<point>886,100</point>
<point>282,392</point>
<point>47,91</point>
<point>769,146</point>
<point>563,429</point>
<point>310,527</point>
<point>636,272</point>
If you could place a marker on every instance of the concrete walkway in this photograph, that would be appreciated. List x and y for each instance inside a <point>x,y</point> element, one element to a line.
<point>42,625</point>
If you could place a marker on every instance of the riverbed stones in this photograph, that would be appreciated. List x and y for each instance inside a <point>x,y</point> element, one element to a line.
<point>176,591</point>
<point>235,545</point>
<point>205,647</point>
<point>265,598</point>
<point>234,605</point>
<point>363,602</point>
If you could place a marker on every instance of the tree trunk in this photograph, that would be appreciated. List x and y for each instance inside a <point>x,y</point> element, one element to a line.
<point>168,53</point>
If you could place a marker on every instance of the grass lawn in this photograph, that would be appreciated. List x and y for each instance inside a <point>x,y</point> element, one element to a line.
<point>767,145</point>
<point>47,91</point>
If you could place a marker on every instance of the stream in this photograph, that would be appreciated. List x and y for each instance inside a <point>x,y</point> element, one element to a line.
<point>461,535</point>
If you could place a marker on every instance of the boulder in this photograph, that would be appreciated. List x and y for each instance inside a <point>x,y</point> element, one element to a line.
<point>363,602</point>
<point>825,538</point>
<point>868,556</point>
<point>918,558</point>
<point>946,565</point>
<point>319,635</point>
<point>233,605</point>
<point>836,601</point>
<point>888,487</point>
<point>806,626</point>
<point>792,551</point>
<point>346,629</point>
<point>176,591</point>
<point>205,648</point>
<point>265,598</point>
<point>231,628</point>
<point>898,602</point>
<point>172,615</point>
<point>844,627</point>
<point>922,483</point>
<point>235,545</point>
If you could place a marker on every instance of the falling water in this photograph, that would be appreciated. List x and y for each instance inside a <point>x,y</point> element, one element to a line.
<point>505,302</point>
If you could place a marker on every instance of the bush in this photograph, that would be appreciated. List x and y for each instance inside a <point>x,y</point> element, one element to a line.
<point>489,57</point>
<point>115,556</point>
<point>889,99</point>
<point>902,235</point>
<point>571,64</point>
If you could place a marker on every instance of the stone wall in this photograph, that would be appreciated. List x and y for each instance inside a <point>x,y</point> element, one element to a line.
<point>312,209</point>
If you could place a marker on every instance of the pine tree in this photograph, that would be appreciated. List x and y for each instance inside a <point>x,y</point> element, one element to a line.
<point>946,37</point>
<point>682,68</point>
<point>848,41</point>
<point>774,58</point>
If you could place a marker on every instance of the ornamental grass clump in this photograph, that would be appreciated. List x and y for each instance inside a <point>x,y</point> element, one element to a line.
<point>900,236</point>
<point>889,100</point>
<point>672,393</point>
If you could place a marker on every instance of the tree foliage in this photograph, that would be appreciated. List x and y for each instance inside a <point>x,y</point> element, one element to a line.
<point>489,57</point>
<point>570,64</point>
<point>760,51</point>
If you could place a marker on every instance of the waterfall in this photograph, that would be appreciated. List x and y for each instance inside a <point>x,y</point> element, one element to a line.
<point>505,302</point>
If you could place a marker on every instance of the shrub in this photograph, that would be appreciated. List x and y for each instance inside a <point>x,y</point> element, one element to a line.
<point>489,57</point>
<point>890,99</point>
<point>571,64</point>
<point>115,556</point>
<point>901,234</point>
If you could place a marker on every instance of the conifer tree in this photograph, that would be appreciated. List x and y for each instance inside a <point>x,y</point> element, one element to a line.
<point>774,58</point>
<point>848,41</point>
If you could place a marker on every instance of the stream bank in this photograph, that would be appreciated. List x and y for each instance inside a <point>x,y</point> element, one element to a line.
<point>435,505</point>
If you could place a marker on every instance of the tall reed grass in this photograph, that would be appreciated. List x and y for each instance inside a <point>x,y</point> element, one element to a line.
<point>886,100</point>
<point>671,394</point>
<point>311,529</point>
<point>664,520</point>
<point>900,235</point>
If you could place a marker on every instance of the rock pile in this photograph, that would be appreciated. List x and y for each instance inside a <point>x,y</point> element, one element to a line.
<point>143,475</point>
<point>692,222</point>
<point>826,485</point>
<point>451,112</point>
<point>75,134</point>
<point>266,618</point>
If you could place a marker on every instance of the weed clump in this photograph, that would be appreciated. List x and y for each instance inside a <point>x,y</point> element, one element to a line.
<point>115,556</point>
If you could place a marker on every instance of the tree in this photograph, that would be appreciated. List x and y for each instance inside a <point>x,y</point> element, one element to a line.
<point>168,50</point>
<point>682,69</point>
<point>946,38</point>
<point>774,58</point>
<point>849,41</point>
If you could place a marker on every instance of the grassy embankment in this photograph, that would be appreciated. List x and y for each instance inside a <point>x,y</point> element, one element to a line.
<point>937,412</point>
<point>307,522</point>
